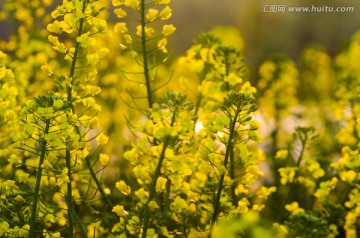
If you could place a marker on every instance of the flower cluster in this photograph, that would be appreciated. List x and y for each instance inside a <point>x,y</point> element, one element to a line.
<point>99,139</point>
<point>56,132</point>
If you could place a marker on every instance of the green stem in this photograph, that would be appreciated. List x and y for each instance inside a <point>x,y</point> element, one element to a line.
<point>145,55</point>
<point>232,176</point>
<point>69,94</point>
<point>197,107</point>
<point>76,52</point>
<point>69,197</point>
<point>34,209</point>
<point>232,156</point>
<point>152,192</point>
<point>301,155</point>
<point>229,149</point>
<point>97,182</point>
<point>78,221</point>
<point>184,229</point>
<point>167,197</point>
<point>289,193</point>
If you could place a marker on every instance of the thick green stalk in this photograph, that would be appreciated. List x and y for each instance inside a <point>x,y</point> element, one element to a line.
<point>232,176</point>
<point>69,94</point>
<point>152,191</point>
<point>36,196</point>
<point>145,54</point>
<point>69,197</point>
<point>229,148</point>
<point>232,158</point>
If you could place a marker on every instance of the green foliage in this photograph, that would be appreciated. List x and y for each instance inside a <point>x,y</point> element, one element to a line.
<point>307,225</point>
<point>101,137</point>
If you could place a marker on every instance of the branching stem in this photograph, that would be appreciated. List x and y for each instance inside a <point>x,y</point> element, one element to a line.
<point>36,196</point>
<point>229,148</point>
<point>152,192</point>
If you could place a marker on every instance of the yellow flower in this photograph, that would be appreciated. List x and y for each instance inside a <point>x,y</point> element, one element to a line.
<point>55,27</point>
<point>240,189</point>
<point>142,195</point>
<point>63,177</point>
<point>102,139</point>
<point>85,40</point>
<point>46,165</point>
<point>162,1</point>
<point>293,208</point>
<point>162,45</point>
<point>287,174</point>
<point>179,204</point>
<point>123,187</point>
<point>132,3</point>
<point>316,170</point>
<point>120,28</point>
<point>120,211</point>
<point>160,184</point>
<point>24,231</point>
<point>61,48</point>
<point>264,192</point>
<point>281,231</point>
<point>116,3</point>
<point>168,30</point>
<point>333,230</point>
<point>93,123</point>
<point>325,188</point>
<point>92,90</point>
<point>127,38</point>
<point>243,206</point>
<point>10,184</point>
<point>102,52</point>
<point>15,160</point>
<point>4,228</point>
<point>166,13</point>
<point>120,13</point>
<point>23,177</point>
<point>92,59</point>
<point>348,176</point>
<point>53,40</point>
<point>258,207</point>
<point>152,14</point>
<point>307,182</point>
<point>153,205</point>
<point>282,154</point>
<point>149,31</point>
<point>104,159</point>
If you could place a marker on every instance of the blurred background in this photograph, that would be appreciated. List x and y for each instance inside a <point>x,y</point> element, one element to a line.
<point>267,34</point>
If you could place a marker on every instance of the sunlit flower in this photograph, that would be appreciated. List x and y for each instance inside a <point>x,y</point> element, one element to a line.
<point>123,187</point>
<point>120,211</point>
